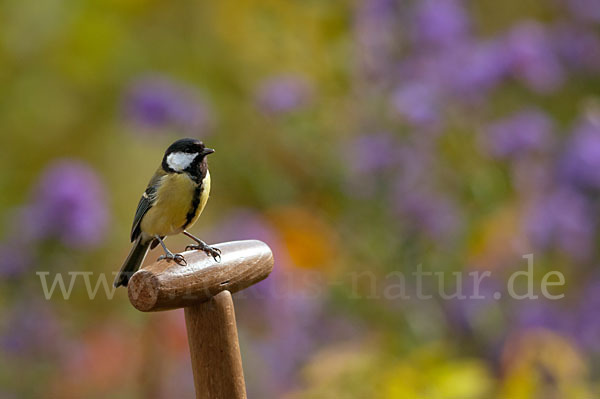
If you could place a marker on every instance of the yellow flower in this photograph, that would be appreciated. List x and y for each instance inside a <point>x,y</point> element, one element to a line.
<point>430,373</point>
<point>541,363</point>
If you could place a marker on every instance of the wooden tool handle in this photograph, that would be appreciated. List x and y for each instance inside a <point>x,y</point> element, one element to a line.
<point>214,348</point>
<point>166,285</point>
<point>203,287</point>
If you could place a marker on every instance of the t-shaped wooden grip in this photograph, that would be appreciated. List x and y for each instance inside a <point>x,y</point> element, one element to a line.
<point>203,288</point>
<point>167,285</point>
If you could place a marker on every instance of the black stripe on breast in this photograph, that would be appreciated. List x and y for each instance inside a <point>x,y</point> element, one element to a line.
<point>198,171</point>
<point>195,204</point>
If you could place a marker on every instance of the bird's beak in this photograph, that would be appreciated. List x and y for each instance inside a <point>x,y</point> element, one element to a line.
<point>207,151</point>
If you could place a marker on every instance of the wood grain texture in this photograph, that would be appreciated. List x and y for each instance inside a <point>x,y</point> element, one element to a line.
<point>166,285</point>
<point>214,349</point>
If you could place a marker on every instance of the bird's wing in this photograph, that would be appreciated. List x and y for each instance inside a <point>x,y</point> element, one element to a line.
<point>146,202</point>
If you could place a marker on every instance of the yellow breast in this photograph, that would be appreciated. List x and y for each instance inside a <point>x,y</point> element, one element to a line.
<point>203,199</point>
<point>174,200</point>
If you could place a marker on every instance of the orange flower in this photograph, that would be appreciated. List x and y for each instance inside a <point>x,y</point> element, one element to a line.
<point>310,241</point>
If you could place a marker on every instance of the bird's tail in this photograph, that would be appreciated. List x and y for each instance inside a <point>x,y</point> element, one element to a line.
<point>133,262</point>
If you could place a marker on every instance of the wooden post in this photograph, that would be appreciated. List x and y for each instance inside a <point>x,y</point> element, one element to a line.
<point>203,287</point>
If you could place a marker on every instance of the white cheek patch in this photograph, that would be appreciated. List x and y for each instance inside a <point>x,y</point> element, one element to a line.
<point>178,161</point>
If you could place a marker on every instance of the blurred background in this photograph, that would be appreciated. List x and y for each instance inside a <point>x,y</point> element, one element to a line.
<point>359,139</point>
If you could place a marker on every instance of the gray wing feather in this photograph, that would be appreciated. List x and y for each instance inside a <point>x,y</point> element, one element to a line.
<point>146,202</point>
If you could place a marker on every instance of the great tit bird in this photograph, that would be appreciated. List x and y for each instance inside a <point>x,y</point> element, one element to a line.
<point>172,202</point>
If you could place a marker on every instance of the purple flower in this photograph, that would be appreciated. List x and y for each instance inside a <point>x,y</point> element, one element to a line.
<point>159,103</point>
<point>581,162</point>
<point>246,224</point>
<point>532,57</point>
<point>290,336</point>
<point>519,134</point>
<point>469,313</point>
<point>431,81</point>
<point>532,175</point>
<point>418,103</point>
<point>580,322</point>
<point>431,214</point>
<point>15,257</point>
<point>376,30</point>
<point>30,329</point>
<point>372,153</point>
<point>587,10</point>
<point>587,317</point>
<point>440,22</point>
<point>542,314</point>
<point>283,94</point>
<point>372,159</point>
<point>377,10</point>
<point>69,205</point>
<point>578,47</point>
<point>563,219</point>
<point>475,68</point>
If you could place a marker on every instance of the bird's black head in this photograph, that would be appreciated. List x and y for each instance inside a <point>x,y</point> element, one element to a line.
<point>186,155</point>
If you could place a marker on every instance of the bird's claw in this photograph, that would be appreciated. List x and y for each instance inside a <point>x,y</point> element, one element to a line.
<point>178,258</point>
<point>207,249</point>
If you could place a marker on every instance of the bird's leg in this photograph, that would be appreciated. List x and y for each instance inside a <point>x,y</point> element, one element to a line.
<point>202,246</point>
<point>178,258</point>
